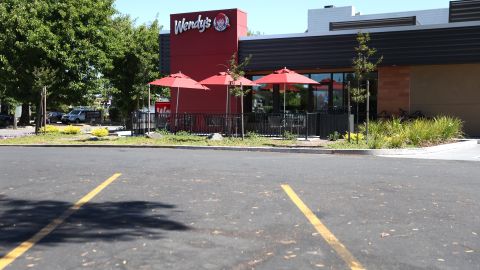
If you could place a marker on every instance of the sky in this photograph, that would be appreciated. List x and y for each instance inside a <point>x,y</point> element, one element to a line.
<point>266,16</point>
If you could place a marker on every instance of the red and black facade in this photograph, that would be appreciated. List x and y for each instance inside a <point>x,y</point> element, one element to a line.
<point>415,62</point>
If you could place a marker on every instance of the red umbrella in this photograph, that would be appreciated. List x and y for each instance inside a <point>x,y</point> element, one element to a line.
<point>291,88</point>
<point>225,78</point>
<point>178,80</point>
<point>285,76</point>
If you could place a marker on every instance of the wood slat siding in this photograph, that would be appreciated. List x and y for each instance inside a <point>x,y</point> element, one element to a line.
<point>464,11</point>
<point>378,23</point>
<point>165,53</point>
<point>415,47</point>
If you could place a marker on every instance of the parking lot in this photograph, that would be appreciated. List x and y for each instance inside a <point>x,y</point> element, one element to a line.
<point>92,208</point>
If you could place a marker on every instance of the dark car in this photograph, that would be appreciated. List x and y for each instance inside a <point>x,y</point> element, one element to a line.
<point>54,117</point>
<point>6,120</point>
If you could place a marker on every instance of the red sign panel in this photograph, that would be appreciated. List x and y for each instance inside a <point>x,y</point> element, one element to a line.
<point>201,44</point>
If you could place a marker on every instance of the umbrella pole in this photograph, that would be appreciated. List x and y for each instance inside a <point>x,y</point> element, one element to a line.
<point>176,109</point>
<point>241,108</point>
<point>284,106</point>
<point>149,98</point>
<point>226,113</point>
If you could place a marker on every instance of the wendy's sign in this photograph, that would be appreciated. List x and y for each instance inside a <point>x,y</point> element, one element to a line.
<point>202,44</point>
<point>221,22</point>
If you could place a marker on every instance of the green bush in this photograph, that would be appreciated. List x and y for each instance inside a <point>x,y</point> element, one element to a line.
<point>253,135</point>
<point>335,136</point>
<point>419,132</point>
<point>49,129</point>
<point>353,136</point>
<point>289,136</point>
<point>100,132</point>
<point>182,133</point>
<point>71,130</point>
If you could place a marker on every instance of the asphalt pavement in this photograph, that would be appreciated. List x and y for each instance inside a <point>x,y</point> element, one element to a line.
<point>196,209</point>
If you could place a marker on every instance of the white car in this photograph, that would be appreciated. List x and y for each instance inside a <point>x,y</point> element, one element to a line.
<point>75,116</point>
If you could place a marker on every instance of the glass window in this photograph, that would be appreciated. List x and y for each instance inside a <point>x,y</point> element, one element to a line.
<point>337,86</point>
<point>296,97</point>
<point>320,92</point>
<point>262,98</point>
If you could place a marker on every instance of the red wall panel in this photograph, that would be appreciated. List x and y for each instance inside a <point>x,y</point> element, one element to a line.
<point>203,54</point>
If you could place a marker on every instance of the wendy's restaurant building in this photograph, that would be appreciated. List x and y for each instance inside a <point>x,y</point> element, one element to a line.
<point>431,64</point>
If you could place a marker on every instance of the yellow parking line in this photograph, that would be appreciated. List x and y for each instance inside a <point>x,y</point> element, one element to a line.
<point>341,250</point>
<point>25,246</point>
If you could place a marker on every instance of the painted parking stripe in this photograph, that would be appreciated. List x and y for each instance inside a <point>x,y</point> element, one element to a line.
<point>25,246</point>
<point>341,250</point>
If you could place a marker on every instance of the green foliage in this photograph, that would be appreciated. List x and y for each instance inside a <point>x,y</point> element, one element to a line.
<point>353,136</point>
<point>100,132</point>
<point>334,136</point>
<point>163,132</point>
<point>135,63</point>
<point>237,70</point>
<point>253,135</point>
<point>72,130</point>
<point>419,132</point>
<point>49,129</point>
<point>182,133</point>
<point>358,95</point>
<point>62,44</point>
<point>362,63</point>
<point>287,135</point>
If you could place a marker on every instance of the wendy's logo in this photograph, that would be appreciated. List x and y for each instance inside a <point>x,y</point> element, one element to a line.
<point>221,22</point>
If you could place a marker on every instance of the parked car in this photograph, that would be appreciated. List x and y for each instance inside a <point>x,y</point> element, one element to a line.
<point>6,120</point>
<point>80,115</point>
<point>75,116</point>
<point>54,117</point>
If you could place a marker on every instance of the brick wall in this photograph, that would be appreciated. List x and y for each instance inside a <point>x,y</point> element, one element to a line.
<point>393,89</point>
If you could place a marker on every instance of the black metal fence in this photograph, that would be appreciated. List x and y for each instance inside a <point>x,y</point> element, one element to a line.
<point>268,124</point>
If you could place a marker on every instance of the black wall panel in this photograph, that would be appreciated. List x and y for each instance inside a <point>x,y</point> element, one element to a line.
<point>165,53</point>
<point>415,47</point>
<point>464,11</point>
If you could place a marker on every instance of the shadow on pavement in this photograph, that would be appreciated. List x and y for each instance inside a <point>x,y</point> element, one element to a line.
<point>106,221</point>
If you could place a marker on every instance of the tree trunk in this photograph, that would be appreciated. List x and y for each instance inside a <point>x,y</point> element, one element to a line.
<point>349,111</point>
<point>357,122</point>
<point>368,110</point>
<point>25,118</point>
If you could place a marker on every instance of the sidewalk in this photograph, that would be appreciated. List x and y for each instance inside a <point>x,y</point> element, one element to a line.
<point>6,133</point>
<point>467,151</point>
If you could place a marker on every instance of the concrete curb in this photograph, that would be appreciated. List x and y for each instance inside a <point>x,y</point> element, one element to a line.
<point>300,150</point>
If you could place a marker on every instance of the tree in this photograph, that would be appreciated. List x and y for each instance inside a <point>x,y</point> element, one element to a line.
<point>363,65</point>
<point>71,38</point>
<point>237,70</point>
<point>135,63</point>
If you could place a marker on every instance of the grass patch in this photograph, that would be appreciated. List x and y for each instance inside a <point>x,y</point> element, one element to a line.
<point>397,134</point>
<point>166,139</point>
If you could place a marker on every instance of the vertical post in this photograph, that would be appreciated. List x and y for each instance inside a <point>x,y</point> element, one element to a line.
<point>149,98</point>
<point>284,108</point>
<point>349,110</point>
<point>306,126</point>
<point>176,110</point>
<point>241,108</point>
<point>44,108</point>
<point>368,110</point>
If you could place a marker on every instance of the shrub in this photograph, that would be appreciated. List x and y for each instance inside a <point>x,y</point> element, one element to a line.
<point>253,135</point>
<point>71,130</point>
<point>49,129</point>
<point>163,132</point>
<point>100,132</point>
<point>353,136</point>
<point>289,136</point>
<point>182,133</point>
<point>448,127</point>
<point>335,136</point>
<point>396,134</point>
